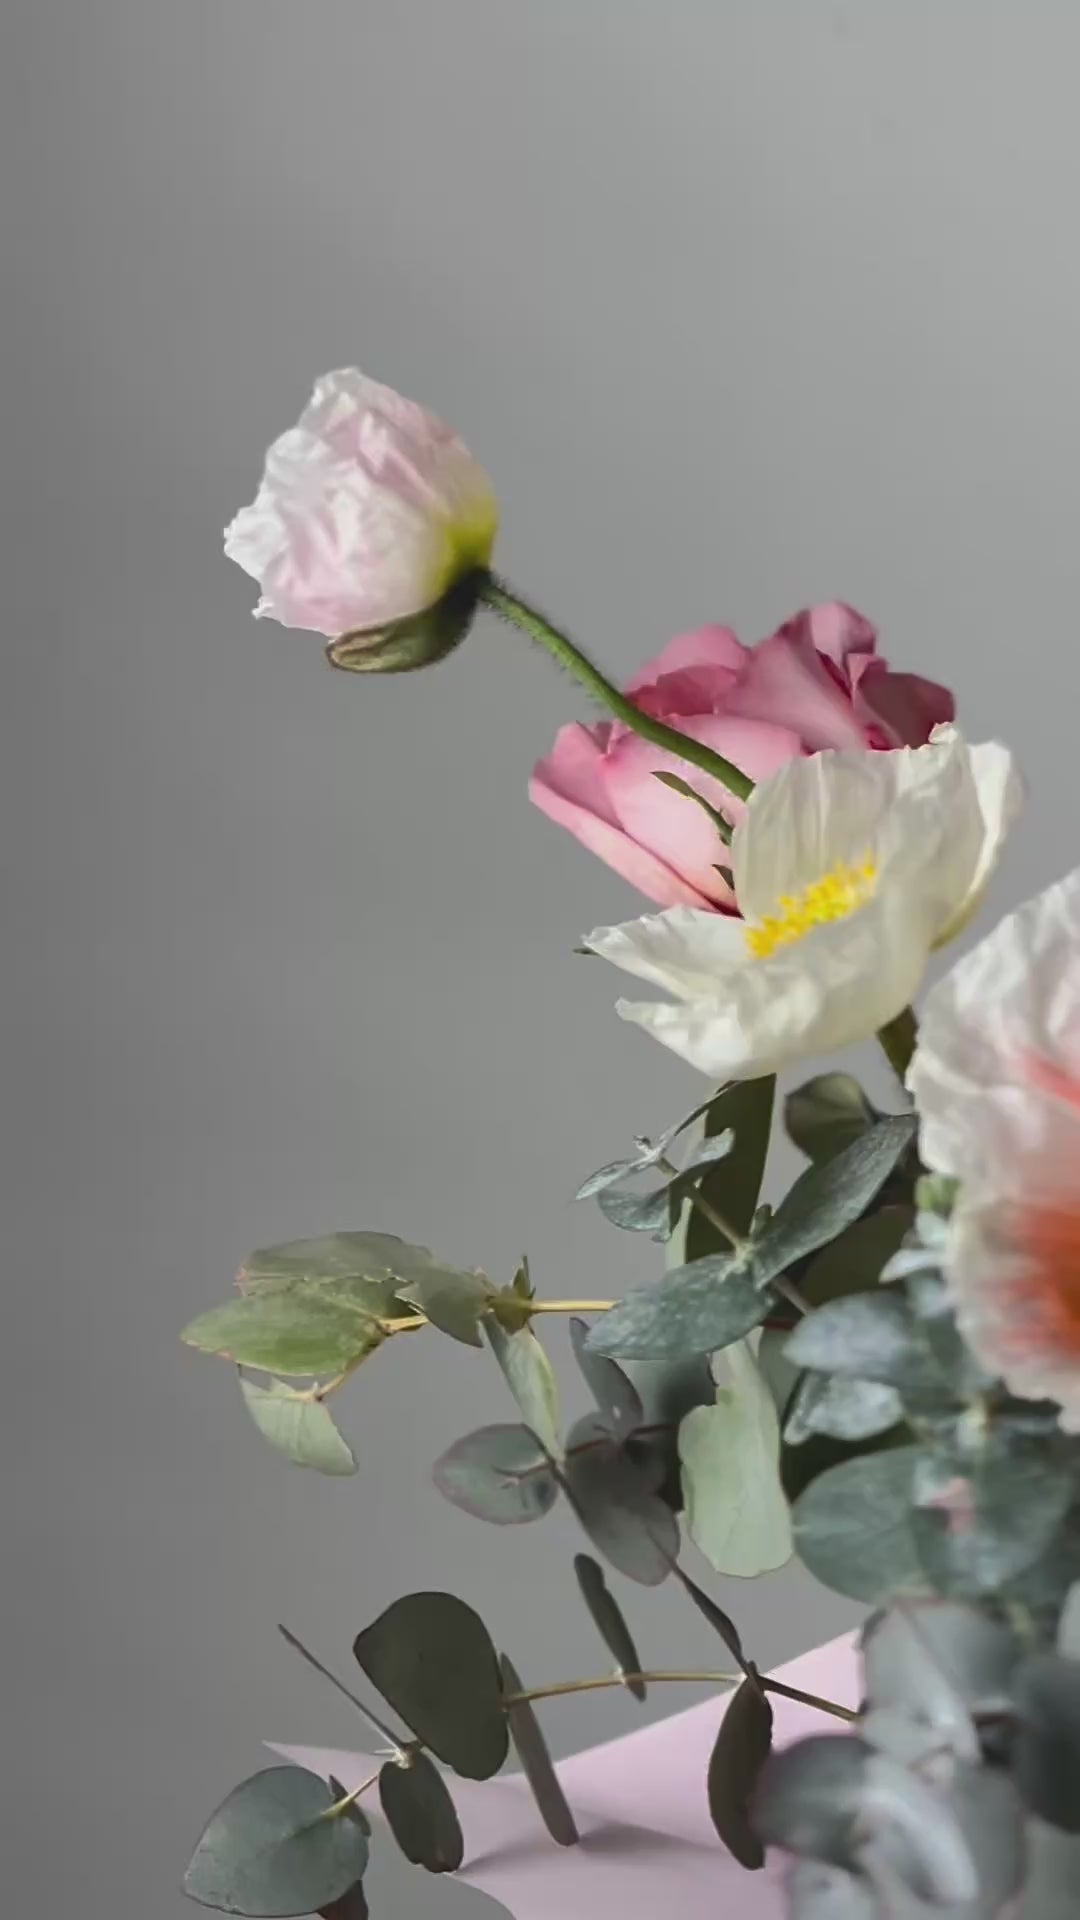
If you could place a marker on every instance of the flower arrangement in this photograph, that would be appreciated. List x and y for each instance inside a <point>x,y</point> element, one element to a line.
<point>879,1373</point>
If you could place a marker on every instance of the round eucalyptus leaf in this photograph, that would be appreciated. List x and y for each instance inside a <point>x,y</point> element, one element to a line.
<point>654,1212</point>
<point>938,1663</point>
<point>298,1331</point>
<point>1046,1755</point>
<point>500,1474</point>
<point>982,1521</point>
<point>615,1394</point>
<point>536,1764</point>
<point>454,1301</point>
<point>866,1336</point>
<point>303,1430</point>
<point>852,1525</point>
<point>742,1746</point>
<point>352,1905</point>
<point>736,1512</point>
<point>841,1408</point>
<point>624,1517</point>
<point>431,1657</point>
<point>421,1814</point>
<point>273,1849</point>
<point>696,1309</point>
<point>809,1795</point>
<point>827,1114</point>
<point>608,1620</point>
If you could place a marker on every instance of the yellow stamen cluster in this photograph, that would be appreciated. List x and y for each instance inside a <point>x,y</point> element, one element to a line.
<point>833,897</point>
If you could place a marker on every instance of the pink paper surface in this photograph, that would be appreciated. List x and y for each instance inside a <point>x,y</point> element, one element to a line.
<point>648,1849</point>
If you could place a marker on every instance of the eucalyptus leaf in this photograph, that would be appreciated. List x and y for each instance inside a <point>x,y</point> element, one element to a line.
<point>741,1749</point>
<point>1046,1754</point>
<point>816,1891</point>
<point>709,1151</point>
<point>303,1430</point>
<point>500,1474</point>
<point>335,1260</point>
<point>608,1620</point>
<point>938,1664</point>
<point>697,1309</point>
<point>351,1906</point>
<point>827,1114</point>
<point>297,1332</point>
<point>733,1185</point>
<point>536,1764</point>
<point>716,1617</point>
<point>830,1197</point>
<point>614,1392</point>
<point>421,1814</point>
<point>852,1526</point>
<point>528,1374</point>
<point>454,1301</point>
<point>736,1510</point>
<point>866,1336</point>
<point>274,1849</point>
<point>809,1795</point>
<point>981,1521</point>
<point>653,1213</point>
<point>844,1409</point>
<point>854,1261</point>
<point>626,1520</point>
<point>608,1176</point>
<point>431,1657</point>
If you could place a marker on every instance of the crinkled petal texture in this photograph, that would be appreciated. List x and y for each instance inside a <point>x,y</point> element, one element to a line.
<point>848,868</point>
<point>369,511</point>
<point>816,684</point>
<point>996,1080</point>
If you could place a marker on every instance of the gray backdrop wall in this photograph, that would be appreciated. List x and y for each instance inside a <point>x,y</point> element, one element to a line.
<point>744,305</point>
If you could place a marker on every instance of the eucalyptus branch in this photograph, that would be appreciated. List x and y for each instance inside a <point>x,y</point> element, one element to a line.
<point>517,613</point>
<point>690,1677</point>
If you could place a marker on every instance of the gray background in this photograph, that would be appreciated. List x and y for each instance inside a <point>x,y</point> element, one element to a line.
<point>744,305</point>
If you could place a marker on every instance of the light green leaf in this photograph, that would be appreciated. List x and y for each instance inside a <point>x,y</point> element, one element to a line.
<point>303,1430</point>
<point>297,1331</point>
<point>528,1374</point>
<point>826,1114</point>
<point>453,1300</point>
<point>696,1309</point>
<point>271,1850</point>
<point>339,1259</point>
<point>736,1511</point>
<point>852,1526</point>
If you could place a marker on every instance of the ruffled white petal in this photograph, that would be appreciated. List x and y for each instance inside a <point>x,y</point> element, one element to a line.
<point>1014,999</point>
<point>368,511</point>
<point>685,950</point>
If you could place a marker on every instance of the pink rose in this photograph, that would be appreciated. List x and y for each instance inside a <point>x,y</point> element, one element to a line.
<point>816,683</point>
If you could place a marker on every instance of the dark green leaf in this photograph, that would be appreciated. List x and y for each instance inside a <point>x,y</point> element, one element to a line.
<point>1046,1755</point>
<point>843,1409</point>
<point>432,1659</point>
<point>696,1309</point>
<point>716,1618</point>
<point>734,1185</point>
<point>828,1198</point>
<point>608,1620</point>
<point>421,1814</point>
<point>625,1519</point>
<point>352,1905</point>
<point>296,1331</point>
<point>855,1260</point>
<point>527,1372</point>
<point>827,1114</point>
<point>981,1521</point>
<point>742,1747</point>
<point>303,1430</point>
<point>616,1396</point>
<point>454,1301</point>
<point>531,1749</point>
<point>271,1850</point>
<point>866,1336</point>
<point>852,1525</point>
<point>500,1474</point>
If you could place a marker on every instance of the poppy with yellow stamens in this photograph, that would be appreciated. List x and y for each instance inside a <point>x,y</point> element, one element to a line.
<point>848,870</point>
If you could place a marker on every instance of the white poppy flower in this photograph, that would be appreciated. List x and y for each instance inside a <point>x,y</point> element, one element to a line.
<point>369,512</point>
<point>848,868</point>
<point>996,1080</point>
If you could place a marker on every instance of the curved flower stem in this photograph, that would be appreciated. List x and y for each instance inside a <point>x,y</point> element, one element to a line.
<point>494,593</point>
<point>897,1041</point>
<point>693,1677</point>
